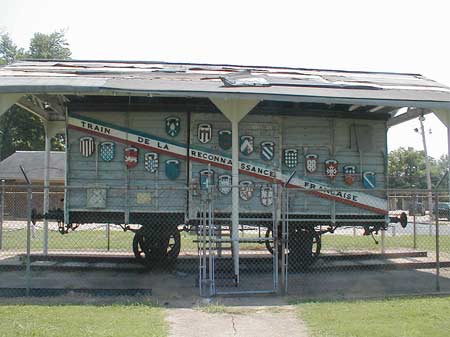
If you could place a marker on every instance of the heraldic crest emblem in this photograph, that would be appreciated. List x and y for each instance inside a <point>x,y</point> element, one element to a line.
<point>311,163</point>
<point>224,183</point>
<point>172,168</point>
<point>151,162</point>
<point>267,195</point>
<point>246,189</point>
<point>87,146</point>
<point>267,150</point>
<point>131,156</point>
<point>290,157</point>
<point>206,179</point>
<point>204,133</point>
<point>369,180</point>
<point>107,151</point>
<point>349,174</point>
<point>331,168</point>
<point>173,126</point>
<point>247,145</point>
<point>225,141</point>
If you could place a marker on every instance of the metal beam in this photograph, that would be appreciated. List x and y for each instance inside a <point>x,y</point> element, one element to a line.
<point>411,113</point>
<point>7,101</point>
<point>30,104</point>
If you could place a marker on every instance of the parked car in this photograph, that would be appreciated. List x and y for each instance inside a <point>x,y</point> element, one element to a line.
<point>444,210</point>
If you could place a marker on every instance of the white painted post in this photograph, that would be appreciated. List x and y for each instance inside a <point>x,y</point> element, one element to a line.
<point>235,110</point>
<point>46,184</point>
<point>2,212</point>
<point>51,128</point>
<point>235,197</point>
<point>448,154</point>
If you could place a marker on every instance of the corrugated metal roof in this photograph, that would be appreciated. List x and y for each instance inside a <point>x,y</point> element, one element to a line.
<point>33,163</point>
<point>207,80</point>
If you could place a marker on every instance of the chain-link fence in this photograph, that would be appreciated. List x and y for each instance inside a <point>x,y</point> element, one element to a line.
<point>212,240</point>
<point>352,250</point>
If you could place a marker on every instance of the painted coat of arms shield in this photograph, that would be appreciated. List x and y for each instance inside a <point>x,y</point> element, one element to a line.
<point>107,151</point>
<point>246,145</point>
<point>151,162</point>
<point>246,189</point>
<point>349,174</point>
<point>331,168</point>
<point>225,140</point>
<point>206,179</point>
<point>224,183</point>
<point>172,168</point>
<point>173,126</point>
<point>204,133</point>
<point>87,146</point>
<point>131,156</point>
<point>369,180</point>
<point>311,163</point>
<point>290,158</point>
<point>267,150</point>
<point>267,195</point>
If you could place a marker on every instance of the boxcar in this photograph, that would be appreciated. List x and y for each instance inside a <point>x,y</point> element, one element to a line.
<point>145,163</point>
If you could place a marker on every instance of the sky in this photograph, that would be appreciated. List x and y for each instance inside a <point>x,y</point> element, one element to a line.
<point>399,36</point>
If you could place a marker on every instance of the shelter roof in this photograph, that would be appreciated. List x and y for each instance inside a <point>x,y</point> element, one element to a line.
<point>48,84</point>
<point>201,80</point>
<point>33,163</point>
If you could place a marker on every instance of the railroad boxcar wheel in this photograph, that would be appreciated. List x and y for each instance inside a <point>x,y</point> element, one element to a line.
<point>269,244</point>
<point>316,243</point>
<point>151,248</point>
<point>304,247</point>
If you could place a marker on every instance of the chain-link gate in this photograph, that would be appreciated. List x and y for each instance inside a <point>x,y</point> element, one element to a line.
<point>256,267</point>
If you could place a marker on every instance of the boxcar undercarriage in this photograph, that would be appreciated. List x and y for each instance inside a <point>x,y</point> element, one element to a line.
<point>157,238</point>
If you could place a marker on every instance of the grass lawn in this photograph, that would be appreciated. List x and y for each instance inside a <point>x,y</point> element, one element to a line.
<point>121,241</point>
<point>412,317</point>
<point>76,320</point>
<point>426,242</point>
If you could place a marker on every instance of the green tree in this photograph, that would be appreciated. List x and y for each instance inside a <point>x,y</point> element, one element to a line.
<point>49,46</point>
<point>407,169</point>
<point>19,129</point>
<point>9,52</point>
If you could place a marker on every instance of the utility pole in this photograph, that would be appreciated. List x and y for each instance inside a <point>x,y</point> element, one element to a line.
<point>427,165</point>
<point>1,144</point>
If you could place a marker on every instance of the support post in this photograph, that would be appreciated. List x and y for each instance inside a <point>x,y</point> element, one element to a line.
<point>2,212</point>
<point>235,110</point>
<point>448,156</point>
<point>444,116</point>
<point>427,166</point>
<point>51,128</point>
<point>46,184</point>
<point>235,198</point>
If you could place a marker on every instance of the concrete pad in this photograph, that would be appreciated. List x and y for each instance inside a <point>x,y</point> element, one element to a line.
<point>247,321</point>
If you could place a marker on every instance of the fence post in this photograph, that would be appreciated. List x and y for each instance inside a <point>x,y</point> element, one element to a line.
<point>275,236</point>
<point>414,222</point>
<point>28,259</point>
<point>2,212</point>
<point>108,238</point>
<point>283,215</point>
<point>285,242</point>
<point>436,209</point>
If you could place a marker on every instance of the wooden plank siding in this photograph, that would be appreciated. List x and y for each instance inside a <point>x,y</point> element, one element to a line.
<point>329,138</point>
